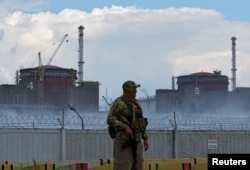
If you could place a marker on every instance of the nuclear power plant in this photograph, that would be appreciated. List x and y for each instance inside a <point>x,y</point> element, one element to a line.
<point>202,92</point>
<point>49,85</point>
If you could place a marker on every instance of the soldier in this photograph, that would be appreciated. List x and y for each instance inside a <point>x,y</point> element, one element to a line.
<point>126,117</point>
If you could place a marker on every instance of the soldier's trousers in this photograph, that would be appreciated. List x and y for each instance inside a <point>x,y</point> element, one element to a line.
<point>123,157</point>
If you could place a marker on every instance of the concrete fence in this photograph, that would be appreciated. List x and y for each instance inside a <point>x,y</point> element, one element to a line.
<point>61,144</point>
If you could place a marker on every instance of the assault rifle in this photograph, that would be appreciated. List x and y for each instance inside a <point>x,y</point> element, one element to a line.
<point>133,144</point>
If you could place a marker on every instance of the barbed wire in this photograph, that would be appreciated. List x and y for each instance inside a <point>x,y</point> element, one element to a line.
<point>98,121</point>
<point>19,116</point>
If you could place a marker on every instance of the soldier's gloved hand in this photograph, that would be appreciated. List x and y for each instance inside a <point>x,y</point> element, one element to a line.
<point>128,131</point>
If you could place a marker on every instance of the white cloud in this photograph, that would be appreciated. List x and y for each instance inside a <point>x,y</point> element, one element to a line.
<point>123,43</point>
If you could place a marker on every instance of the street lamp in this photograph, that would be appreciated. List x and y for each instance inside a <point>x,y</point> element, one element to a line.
<point>71,107</point>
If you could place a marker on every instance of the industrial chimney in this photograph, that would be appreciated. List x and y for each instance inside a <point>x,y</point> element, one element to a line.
<point>233,63</point>
<point>80,59</point>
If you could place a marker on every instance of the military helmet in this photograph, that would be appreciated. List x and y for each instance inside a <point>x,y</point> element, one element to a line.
<point>130,84</point>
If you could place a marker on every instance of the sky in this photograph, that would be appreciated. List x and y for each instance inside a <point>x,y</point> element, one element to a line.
<point>145,41</point>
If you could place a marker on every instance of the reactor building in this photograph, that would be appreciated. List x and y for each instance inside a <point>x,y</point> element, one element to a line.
<point>202,92</point>
<point>49,85</point>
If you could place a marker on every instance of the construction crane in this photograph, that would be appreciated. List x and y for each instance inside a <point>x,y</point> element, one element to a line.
<point>42,69</point>
<point>58,47</point>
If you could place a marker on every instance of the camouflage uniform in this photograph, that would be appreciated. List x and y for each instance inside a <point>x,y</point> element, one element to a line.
<point>121,115</point>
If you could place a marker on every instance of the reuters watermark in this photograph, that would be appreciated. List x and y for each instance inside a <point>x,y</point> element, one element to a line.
<point>228,161</point>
